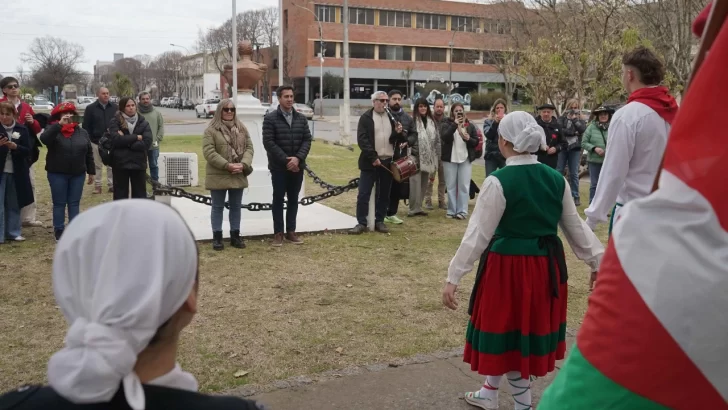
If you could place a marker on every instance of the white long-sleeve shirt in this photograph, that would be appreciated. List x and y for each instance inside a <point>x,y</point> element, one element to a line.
<point>489,208</point>
<point>637,139</point>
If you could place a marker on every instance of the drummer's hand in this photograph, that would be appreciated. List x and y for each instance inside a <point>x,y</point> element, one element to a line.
<point>403,145</point>
<point>398,128</point>
<point>377,163</point>
<point>448,296</point>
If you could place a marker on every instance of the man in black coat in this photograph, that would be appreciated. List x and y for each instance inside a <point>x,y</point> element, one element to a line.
<point>555,140</point>
<point>287,140</point>
<point>377,136</point>
<point>96,120</point>
<point>406,141</point>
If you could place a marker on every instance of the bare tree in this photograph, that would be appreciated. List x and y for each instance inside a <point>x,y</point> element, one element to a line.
<point>667,24</point>
<point>132,69</point>
<point>53,61</point>
<point>165,70</point>
<point>269,30</point>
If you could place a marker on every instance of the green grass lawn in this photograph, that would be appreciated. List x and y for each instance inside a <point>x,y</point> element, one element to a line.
<point>336,301</point>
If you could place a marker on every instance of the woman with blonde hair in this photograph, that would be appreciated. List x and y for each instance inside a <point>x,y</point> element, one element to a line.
<point>228,150</point>
<point>494,160</point>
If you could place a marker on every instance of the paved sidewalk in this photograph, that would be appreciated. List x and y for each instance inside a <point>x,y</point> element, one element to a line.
<point>436,384</point>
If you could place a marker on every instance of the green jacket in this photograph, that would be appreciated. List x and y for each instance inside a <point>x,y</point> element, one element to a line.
<point>156,123</point>
<point>215,150</point>
<point>594,138</point>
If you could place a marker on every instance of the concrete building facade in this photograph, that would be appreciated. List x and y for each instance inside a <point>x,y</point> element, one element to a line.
<point>395,43</point>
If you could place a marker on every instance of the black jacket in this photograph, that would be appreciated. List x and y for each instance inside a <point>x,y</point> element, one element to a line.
<point>572,129</point>
<point>409,135</point>
<point>128,152</point>
<point>96,119</point>
<point>282,140</point>
<point>365,139</point>
<point>21,165</point>
<point>72,155</point>
<point>490,132</point>
<point>554,138</point>
<point>157,398</point>
<point>447,134</point>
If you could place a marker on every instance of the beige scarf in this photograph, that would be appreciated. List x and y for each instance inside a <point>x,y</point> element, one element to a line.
<point>235,139</point>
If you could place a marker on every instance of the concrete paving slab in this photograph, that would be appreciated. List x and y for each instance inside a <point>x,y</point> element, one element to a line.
<point>438,384</point>
<point>311,218</point>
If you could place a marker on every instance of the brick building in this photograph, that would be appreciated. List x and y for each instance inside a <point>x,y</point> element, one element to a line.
<point>389,39</point>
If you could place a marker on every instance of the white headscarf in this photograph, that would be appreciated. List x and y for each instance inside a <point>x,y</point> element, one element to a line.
<point>120,271</point>
<point>522,130</point>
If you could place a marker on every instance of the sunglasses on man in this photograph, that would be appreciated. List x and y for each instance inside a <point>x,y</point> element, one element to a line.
<point>383,100</point>
<point>12,86</point>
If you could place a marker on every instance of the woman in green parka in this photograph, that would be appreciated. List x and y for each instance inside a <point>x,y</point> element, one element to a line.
<point>595,143</point>
<point>228,149</point>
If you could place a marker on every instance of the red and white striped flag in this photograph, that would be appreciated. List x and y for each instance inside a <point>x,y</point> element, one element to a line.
<point>655,335</point>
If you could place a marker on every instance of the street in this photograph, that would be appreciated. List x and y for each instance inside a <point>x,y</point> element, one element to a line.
<point>186,123</point>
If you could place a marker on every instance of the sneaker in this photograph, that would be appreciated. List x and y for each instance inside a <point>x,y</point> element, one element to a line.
<point>381,227</point>
<point>19,239</point>
<point>429,206</point>
<point>461,216</point>
<point>37,224</point>
<point>393,220</point>
<point>97,190</point>
<point>57,233</point>
<point>358,229</point>
<point>293,238</point>
<point>577,201</point>
<point>277,240</point>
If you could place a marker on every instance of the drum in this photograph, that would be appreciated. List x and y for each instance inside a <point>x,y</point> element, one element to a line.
<point>404,168</point>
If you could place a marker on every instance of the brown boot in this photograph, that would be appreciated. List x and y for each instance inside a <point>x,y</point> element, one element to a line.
<point>278,240</point>
<point>293,238</point>
<point>97,190</point>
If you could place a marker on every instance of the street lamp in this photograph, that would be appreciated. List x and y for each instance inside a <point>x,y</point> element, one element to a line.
<point>452,44</point>
<point>321,57</point>
<point>179,89</point>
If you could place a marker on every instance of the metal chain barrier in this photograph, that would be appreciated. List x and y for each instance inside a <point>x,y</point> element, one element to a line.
<point>333,190</point>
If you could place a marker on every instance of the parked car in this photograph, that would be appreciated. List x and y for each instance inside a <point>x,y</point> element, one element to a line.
<point>83,101</point>
<point>165,101</point>
<point>207,108</point>
<point>42,103</point>
<point>188,105</point>
<point>155,103</point>
<point>301,108</point>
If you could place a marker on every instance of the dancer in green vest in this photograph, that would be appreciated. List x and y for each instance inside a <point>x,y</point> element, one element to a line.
<point>517,310</point>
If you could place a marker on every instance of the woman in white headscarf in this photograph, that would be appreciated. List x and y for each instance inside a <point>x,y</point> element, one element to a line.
<point>518,305</point>
<point>125,277</point>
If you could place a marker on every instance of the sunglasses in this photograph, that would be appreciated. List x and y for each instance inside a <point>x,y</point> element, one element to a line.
<point>228,110</point>
<point>12,86</point>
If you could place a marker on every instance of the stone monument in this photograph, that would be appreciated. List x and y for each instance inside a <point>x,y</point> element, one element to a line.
<point>250,111</point>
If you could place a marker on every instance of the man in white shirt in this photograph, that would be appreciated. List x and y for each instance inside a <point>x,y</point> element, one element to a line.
<point>637,137</point>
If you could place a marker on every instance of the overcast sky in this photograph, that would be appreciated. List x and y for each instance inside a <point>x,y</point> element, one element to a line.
<point>104,27</point>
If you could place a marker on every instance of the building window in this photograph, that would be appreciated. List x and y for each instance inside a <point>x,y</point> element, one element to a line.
<point>465,56</point>
<point>357,50</point>
<point>435,55</point>
<point>361,16</point>
<point>395,18</point>
<point>326,14</point>
<point>464,24</point>
<point>399,53</point>
<point>432,21</point>
<point>329,49</point>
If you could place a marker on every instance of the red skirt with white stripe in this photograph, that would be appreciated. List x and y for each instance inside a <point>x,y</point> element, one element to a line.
<point>517,324</point>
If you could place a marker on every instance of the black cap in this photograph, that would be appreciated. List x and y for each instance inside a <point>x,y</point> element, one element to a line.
<point>603,109</point>
<point>546,106</point>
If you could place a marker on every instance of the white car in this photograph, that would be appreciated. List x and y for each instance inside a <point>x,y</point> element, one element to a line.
<point>207,108</point>
<point>165,101</point>
<point>84,101</point>
<point>41,103</point>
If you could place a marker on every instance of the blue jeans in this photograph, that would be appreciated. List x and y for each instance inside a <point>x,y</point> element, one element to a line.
<point>457,181</point>
<point>383,181</point>
<point>9,208</point>
<point>66,191</point>
<point>594,170</point>
<point>153,157</point>
<point>235,198</point>
<point>572,158</point>
<point>286,184</point>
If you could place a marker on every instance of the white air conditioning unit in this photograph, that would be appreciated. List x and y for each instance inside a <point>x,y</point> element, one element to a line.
<point>178,169</point>
<point>478,62</point>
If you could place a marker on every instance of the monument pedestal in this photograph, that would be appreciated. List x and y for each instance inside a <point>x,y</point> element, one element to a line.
<point>311,218</point>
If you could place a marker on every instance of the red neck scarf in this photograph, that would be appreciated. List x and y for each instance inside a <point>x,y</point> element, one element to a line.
<point>67,129</point>
<point>659,99</point>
